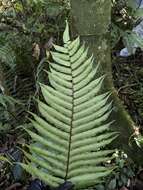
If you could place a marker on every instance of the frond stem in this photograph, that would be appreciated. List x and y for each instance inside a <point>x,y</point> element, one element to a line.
<point>71,126</point>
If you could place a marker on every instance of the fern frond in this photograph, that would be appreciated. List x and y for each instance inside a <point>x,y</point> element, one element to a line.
<point>20,88</point>
<point>73,129</point>
<point>7,56</point>
<point>7,100</point>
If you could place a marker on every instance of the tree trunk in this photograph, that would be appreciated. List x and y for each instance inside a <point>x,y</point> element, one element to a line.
<point>91,20</point>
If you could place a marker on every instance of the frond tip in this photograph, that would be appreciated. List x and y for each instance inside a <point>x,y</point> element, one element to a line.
<point>72,131</point>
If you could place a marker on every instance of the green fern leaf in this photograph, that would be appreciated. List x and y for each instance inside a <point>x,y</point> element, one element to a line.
<point>73,129</point>
<point>7,56</point>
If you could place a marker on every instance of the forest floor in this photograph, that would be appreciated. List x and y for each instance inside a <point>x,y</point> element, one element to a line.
<point>128,80</point>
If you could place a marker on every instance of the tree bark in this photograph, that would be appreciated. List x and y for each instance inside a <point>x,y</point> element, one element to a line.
<point>91,20</point>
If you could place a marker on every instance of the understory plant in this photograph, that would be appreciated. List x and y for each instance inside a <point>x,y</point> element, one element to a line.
<point>122,174</point>
<point>126,17</point>
<point>72,129</point>
<point>27,29</point>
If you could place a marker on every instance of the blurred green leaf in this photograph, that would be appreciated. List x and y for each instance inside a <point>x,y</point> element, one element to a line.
<point>3,158</point>
<point>132,3</point>
<point>138,12</point>
<point>100,187</point>
<point>124,179</point>
<point>112,184</point>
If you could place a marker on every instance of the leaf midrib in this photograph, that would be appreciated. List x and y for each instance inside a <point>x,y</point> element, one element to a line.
<point>71,124</point>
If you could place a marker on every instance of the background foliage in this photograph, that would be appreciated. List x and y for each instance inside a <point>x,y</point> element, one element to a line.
<point>27,28</point>
<point>125,16</point>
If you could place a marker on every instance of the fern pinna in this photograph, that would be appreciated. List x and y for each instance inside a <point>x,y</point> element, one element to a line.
<point>71,131</point>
